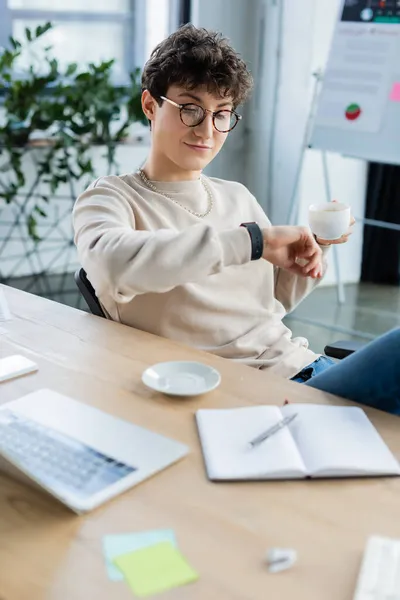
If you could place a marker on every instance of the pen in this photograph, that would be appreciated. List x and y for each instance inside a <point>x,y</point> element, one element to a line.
<point>274,429</point>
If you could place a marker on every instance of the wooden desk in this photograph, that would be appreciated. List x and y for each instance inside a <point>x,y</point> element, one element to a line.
<point>46,552</point>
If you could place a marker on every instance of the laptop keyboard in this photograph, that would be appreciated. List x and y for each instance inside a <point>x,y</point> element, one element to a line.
<point>59,461</point>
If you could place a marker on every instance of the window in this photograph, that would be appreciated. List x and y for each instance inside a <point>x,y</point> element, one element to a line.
<point>93,30</point>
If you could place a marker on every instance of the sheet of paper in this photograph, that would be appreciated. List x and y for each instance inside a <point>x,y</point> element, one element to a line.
<point>339,440</point>
<point>155,569</point>
<point>116,545</point>
<point>225,435</point>
<point>357,78</point>
<point>395,93</point>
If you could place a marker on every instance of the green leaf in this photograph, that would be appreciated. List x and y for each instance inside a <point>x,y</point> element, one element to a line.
<point>32,228</point>
<point>71,69</point>
<point>81,104</point>
<point>15,43</point>
<point>40,211</point>
<point>83,77</point>
<point>42,29</point>
<point>6,60</point>
<point>53,184</point>
<point>53,64</point>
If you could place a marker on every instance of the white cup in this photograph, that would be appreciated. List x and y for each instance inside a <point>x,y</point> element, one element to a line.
<point>330,220</point>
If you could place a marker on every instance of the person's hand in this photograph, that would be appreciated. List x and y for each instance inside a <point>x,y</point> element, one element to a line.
<point>341,240</point>
<point>294,249</point>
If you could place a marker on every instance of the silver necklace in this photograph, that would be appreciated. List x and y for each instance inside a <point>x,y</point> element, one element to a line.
<point>204,184</point>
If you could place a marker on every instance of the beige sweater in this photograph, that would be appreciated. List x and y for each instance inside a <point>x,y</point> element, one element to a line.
<point>158,268</point>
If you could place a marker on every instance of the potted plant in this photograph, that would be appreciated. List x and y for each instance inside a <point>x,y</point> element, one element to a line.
<point>70,109</point>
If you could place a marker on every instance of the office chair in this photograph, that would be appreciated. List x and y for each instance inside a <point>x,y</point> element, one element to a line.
<point>342,348</point>
<point>87,291</point>
<point>337,350</point>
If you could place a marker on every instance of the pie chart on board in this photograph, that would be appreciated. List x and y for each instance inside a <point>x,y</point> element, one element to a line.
<point>353,112</point>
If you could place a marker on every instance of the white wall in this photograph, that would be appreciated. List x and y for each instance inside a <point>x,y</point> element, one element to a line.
<point>237,20</point>
<point>348,177</point>
<point>298,36</point>
<point>262,107</point>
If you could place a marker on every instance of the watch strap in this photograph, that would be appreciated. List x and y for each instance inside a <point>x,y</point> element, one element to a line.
<point>257,240</point>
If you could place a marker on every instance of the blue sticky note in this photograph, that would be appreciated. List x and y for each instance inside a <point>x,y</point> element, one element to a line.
<point>116,545</point>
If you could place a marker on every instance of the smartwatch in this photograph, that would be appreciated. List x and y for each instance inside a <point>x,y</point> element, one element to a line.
<point>257,240</point>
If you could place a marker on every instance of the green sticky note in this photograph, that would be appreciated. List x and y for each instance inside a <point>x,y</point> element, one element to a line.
<point>117,545</point>
<point>155,569</point>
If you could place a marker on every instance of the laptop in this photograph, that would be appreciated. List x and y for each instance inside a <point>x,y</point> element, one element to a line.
<point>76,453</point>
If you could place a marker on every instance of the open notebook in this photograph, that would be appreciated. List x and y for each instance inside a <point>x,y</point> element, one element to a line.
<point>322,441</point>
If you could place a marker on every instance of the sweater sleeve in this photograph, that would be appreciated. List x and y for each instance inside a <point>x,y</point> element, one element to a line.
<point>291,289</point>
<point>124,261</point>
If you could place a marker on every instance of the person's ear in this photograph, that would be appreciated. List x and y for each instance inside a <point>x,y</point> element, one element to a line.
<point>149,105</point>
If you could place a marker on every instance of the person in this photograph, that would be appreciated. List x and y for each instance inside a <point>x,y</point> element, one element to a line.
<point>193,258</point>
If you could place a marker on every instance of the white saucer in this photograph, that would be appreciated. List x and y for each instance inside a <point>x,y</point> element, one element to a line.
<point>181,378</point>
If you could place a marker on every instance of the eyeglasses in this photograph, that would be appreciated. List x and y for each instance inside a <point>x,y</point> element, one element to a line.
<point>193,114</point>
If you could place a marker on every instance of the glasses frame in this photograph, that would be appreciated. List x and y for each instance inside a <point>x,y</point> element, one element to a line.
<point>205,111</point>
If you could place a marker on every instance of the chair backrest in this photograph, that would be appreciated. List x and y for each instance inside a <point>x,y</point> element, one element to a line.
<point>87,291</point>
<point>343,348</point>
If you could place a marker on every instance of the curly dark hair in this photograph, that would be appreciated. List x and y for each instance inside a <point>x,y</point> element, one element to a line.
<point>194,57</point>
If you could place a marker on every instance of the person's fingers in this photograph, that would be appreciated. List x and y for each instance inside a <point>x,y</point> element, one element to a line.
<point>310,250</point>
<point>316,273</point>
<point>319,272</point>
<point>343,239</point>
<point>309,247</point>
<point>323,242</point>
<point>307,268</point>
<point>306,252</point>
<point>313,262</point>
<point>297,270</point>
<point>348,234</point>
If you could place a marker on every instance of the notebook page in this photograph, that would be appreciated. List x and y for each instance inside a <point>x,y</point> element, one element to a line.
<point>225,435</point>
<point>339,441</point>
